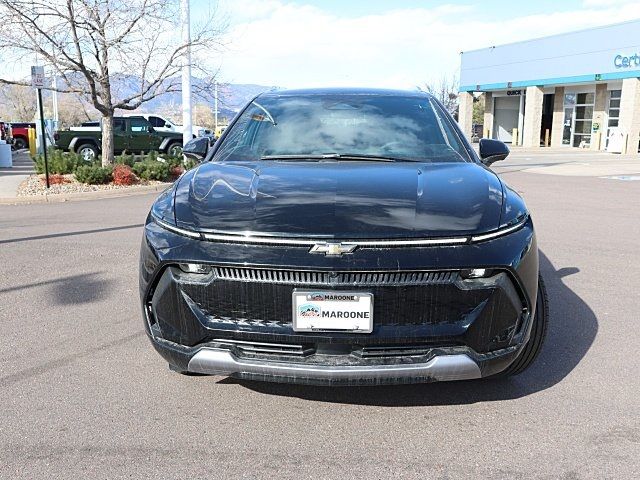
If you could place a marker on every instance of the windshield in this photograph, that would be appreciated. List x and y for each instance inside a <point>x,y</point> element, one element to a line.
<point>349,127</point>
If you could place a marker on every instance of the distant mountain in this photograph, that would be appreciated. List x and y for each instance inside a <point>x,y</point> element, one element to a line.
<point>234,96</point>
<point>231,98</point>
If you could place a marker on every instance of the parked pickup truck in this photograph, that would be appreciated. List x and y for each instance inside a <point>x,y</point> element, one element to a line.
<point>20,132</point>
<point>133,134</point>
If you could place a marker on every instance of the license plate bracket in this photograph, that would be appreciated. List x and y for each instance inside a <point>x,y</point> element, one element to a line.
<point>332,311</point>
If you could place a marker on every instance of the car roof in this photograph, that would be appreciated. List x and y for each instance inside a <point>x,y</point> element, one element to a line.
<point>344,91</point>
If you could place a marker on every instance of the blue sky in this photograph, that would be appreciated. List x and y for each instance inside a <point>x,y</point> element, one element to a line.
<point>375,43</point>
<point>401,43</point>
<point>491,8</point>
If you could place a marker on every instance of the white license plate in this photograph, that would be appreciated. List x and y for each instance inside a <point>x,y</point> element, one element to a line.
<point>317,310</point>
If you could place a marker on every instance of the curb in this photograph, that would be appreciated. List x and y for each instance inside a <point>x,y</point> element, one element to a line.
<point>71,197</point>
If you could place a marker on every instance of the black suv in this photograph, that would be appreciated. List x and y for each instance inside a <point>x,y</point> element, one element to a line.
<point>343,237</point>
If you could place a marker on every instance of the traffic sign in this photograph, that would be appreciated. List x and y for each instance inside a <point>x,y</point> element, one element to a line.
<point>37,77</point>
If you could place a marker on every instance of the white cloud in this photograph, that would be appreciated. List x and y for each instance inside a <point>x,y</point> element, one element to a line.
<point>606,3</point>
<point>275,42</point>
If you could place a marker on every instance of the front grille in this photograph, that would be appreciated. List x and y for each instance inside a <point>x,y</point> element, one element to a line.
<point>410,308</point>
<point>250,297</point>
<point>302,277</point>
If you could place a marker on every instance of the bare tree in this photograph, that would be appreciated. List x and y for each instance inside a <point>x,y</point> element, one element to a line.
<point>73,110</point>
<point>203,114</point>
<point>446,90</point>
<point>18,103</point>
<point>118,54</point>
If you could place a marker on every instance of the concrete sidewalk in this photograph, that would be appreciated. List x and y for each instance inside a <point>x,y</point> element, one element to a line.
<point>11,178</point>
<point>570,162</point>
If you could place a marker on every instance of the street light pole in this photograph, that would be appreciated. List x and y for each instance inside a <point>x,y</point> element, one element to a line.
<point>186,73</point>
<point>215,99</point>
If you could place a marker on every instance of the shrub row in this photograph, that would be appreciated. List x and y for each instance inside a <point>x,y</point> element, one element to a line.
<point>59,162</point>
<point>93,174</point>
<point>127,169</point>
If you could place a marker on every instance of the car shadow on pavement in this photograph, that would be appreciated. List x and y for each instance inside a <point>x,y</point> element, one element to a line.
<point>72,234</point>
<point>572,329</point>
<point>76,289</point>
<point>70,290</point>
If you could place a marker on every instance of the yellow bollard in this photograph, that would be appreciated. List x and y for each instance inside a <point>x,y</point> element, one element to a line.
<point>31,133</point>
<point>547,136</point>
<point>514,137</point>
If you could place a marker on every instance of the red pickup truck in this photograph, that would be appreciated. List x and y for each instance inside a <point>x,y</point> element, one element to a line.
<point>20,132</point>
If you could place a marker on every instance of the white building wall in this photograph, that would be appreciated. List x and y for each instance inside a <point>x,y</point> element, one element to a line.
<point>602,53</point>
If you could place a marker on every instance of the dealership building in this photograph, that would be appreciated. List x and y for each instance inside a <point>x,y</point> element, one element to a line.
<point>579,89</point>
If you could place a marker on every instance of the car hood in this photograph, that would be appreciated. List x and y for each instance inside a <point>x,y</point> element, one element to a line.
<point>340,199</point>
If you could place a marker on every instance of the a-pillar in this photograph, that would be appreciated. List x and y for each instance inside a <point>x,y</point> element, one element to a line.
<point>532,117</point>
<point>465,113</point>
<point>598,130</point>
<point>629,122</point>
<point>557,127</point>
<point>488,115</point>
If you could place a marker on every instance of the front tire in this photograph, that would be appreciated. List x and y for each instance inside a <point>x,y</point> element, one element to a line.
<point>19,143</point>
<point>175,150</point>
<point>536,339</point>
<point>87,152</point>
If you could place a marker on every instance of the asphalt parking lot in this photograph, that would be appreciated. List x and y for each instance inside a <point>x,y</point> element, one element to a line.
<point>83,395</point>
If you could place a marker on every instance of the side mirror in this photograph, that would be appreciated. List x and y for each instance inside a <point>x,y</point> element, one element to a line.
<point>167,125</point>
<point>150,129</point>
<point>492,151</point>
<point>196,149</point>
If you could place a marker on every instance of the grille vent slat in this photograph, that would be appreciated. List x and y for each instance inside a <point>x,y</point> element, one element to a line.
<point>303,277</point>
<point>266,348</point>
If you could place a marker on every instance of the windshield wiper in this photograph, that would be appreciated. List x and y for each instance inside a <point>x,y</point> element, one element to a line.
<point>339,156</point>
<point>365,157</point>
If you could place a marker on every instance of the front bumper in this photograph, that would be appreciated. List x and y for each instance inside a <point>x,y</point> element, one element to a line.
<point>439,368</point>
<point>208,326</point>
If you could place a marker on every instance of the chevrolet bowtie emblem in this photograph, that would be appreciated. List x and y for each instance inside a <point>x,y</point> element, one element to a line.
<point>333,249</point>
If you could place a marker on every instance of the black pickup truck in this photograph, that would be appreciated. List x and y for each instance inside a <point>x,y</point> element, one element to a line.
<point>133,134</point>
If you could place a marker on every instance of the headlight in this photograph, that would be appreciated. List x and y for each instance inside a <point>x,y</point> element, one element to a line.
<point>174,229</point>
<point>501,231</point>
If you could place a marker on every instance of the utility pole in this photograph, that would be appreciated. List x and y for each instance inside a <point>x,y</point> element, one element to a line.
<point>54,97</point>
<point>186,74</point>
<point>215,106</point>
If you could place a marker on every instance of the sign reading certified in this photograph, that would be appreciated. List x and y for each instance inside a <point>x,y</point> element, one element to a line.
<point>621,61</point>
<point>332,311</point>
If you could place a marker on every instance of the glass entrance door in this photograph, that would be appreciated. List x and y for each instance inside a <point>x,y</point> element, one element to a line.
<point>578,119</point>
<point>613,111</point>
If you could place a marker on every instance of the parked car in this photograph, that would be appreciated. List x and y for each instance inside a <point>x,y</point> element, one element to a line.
<point>163,124</point>
<point>133,134</point>
<point>343,237</point>
<point>5,132</point>
<point>20,132</point>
